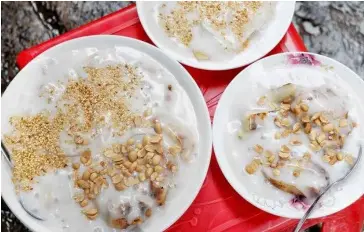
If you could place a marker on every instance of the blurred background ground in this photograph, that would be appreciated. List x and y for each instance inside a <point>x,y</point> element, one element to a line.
<point>334,29</point>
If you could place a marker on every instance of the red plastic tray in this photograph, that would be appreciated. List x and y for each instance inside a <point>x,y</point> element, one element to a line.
<point>217,207</point>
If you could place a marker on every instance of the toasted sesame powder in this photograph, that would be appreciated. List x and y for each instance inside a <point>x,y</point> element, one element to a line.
<point>102,94</point>
<point>176,23</point>
<point>35,147</point>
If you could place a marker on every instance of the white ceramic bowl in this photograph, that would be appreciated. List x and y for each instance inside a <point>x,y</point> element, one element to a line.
<point>259,45</point>
<point>25,79</point>
<point>260,73</point>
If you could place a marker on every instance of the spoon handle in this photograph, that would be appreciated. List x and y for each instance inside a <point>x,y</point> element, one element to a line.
<point>308,212</point>
<point>5,153</point>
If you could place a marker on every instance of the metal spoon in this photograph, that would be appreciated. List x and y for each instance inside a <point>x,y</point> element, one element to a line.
<point>5,153</point>
<point>309,211</point>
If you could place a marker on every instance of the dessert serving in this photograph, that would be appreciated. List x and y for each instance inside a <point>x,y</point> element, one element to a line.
<point>224,26</point>
<point>104,146</point>
<point>215,35</point>
<point>286,128</point>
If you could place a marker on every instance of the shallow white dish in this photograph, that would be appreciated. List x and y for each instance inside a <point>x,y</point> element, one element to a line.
<point>34,70</point>
<point>260,74</point>
<point>260,44</point>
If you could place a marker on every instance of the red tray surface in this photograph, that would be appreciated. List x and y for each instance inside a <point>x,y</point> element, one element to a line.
<point>217,207</point>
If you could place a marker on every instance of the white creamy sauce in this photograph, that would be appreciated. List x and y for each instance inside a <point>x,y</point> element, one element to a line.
<point>52,195</point>
<point>312,83</point>
<point>224,42</point>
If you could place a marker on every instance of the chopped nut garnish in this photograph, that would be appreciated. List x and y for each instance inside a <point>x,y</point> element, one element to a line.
<point>253,166</point>
<point>120,223</point>
<point>120,186</point>
<point>315,116</point>
<point>296,172</point>
<point>79,197</point>
<point>305,119</point>
<point>339,156</point>
<point>268,153</point>
<point>156,159</point>
<point>158,128</point>
<point>285,122</point>
<point>333,160</point>
<point>276,172</point>
<point>271,159</point>
<point>307,128</point>
<point>326,158</point>
<point>277,135</point>
<point>330,152</point>
<point>297,110</point>
<point>304,107</point>
<point>285,149</point>
<point>261,100</point>
<point>295,142</point>
<point>312,136</point>
<point>83,184</point>
<point>83,203</point>
<point>174,150</point>
<point>296,127</point>
<point>258,149</point>
<point>286,133</point>
<point>86,175</point>
<point>343,123</point>
<point>155,139</point>
<point>284,113</point>
<point>90,213</point>
<point>285,107</point>
<point>349,159</point>
<point>321,138</point>
<point>132,156</point>
<point>240,134</point>
<point>315,146</point>
<point>76,166</point>
<point>317,122</point>
<point>148,212</point>
<point>278,122</point>
<point>328,127</point>
<point>137,221</point>
<point>307,156</point>
<point>284,155</point>
<point>116,179</point>
<point>323,119</point>
<point>130,142</point>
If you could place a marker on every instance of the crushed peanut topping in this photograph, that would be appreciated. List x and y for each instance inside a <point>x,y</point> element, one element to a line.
<point>322,130</point>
